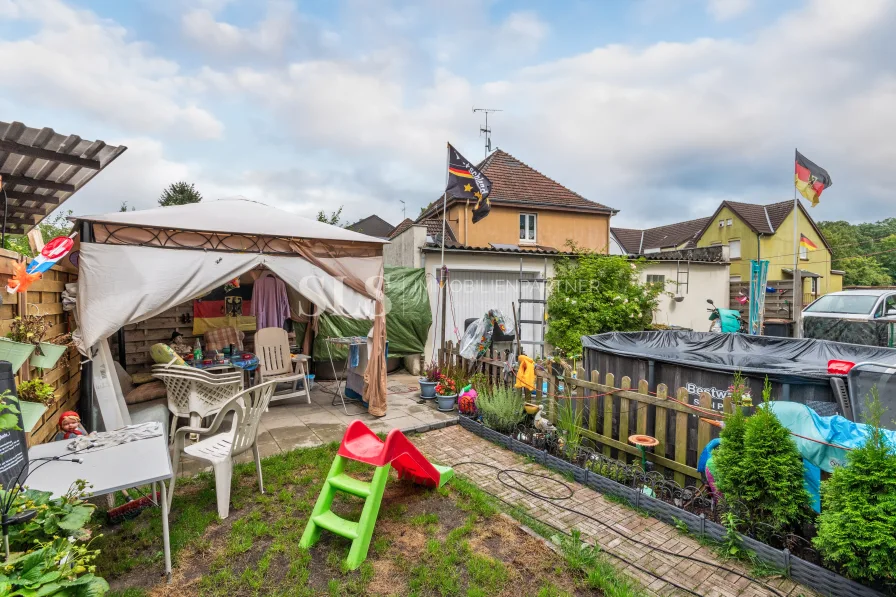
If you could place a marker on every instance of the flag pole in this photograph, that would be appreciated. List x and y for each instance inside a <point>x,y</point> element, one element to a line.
<point>443,281</point>
<point>797,285</point>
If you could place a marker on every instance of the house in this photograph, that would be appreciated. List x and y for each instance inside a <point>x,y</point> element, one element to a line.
<point>750,231</point>
<point>372,226</point>
<point>532,218</point>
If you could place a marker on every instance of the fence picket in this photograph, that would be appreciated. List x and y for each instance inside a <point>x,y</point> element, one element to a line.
<point>681,436</point>
<point>660,428</point>
<point>592,410</point>
<point>608,413</point>
<point>704,433</point>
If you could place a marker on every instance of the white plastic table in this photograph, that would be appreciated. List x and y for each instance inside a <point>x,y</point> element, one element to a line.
<point>142,462</point>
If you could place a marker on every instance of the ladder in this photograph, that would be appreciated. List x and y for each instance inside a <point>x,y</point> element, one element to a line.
<point>538,320</point>
<point>359,533</point>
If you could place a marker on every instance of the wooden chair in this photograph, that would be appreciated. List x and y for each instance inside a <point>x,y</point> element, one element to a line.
<point>219,448</point>
<point>275,363</point>
<point>196,394</point>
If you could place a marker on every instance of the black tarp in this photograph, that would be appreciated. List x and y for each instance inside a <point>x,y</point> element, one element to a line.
<point>766,355</point>
<point>871,333</point>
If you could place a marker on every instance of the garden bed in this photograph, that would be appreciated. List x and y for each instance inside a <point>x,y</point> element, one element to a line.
<point>427,542</point>
<point>673,504</point>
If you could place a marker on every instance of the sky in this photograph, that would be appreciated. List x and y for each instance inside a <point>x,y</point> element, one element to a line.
<point>658,108</point>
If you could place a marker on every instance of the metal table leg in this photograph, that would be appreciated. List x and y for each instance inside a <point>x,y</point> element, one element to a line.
<point>336,393</point>
<point>166,541</point>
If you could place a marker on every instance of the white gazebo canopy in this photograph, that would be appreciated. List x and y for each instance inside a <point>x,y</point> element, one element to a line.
<point>136,265</point>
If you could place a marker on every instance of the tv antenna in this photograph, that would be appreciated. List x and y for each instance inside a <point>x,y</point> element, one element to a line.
<point>484,129</point>
<point>404,214</point>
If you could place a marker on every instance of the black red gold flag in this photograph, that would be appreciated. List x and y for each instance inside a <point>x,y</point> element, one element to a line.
<point>466,182</point>
<point>810,178</point>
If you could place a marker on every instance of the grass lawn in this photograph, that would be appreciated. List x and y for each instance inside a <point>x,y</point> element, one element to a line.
<point>445,542</point>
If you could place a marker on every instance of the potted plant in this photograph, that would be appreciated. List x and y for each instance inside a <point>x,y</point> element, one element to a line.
<point>51,351</point>
<point>24,336</point>
<point>37,390</point>
<point>432,376</point>
<point>446,393</point>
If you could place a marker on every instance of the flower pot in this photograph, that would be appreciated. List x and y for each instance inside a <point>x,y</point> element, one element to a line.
<point>427,389</point>
<point>15,352</point>
<point>446,403</point>
<point>52,353</point>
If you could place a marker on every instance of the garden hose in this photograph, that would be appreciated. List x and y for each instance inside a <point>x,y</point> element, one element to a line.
<point>507,477</point>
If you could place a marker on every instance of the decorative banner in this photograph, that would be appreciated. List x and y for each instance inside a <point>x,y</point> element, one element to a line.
<point>52,252</point>
<point>21,280</point>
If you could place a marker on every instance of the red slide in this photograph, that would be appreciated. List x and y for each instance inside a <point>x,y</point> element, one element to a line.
<point>361,443</point>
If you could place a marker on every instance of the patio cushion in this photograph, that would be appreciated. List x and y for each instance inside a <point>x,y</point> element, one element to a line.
<point>146,392</point>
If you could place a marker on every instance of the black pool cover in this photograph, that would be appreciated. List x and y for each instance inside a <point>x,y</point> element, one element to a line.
<point>737,352</point>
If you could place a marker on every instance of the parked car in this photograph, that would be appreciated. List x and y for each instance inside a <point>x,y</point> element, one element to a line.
<point>855,316</point>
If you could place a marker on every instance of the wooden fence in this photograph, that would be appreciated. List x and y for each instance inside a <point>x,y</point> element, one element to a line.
<point>139,337</point>
<point>612,411</point>
<point>43,298</point>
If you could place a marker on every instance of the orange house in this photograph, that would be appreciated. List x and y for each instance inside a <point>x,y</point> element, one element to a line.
<point>530,212</point>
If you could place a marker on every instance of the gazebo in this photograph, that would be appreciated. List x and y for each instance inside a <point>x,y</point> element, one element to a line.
<point>135,265</point>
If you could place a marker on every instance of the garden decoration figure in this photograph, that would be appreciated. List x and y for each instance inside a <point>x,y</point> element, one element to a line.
<point>178,345</point>
<point>466,402</point>
<point>21,280</point>
<point>643,442</point>
<point>542,423</point>
<point>69,426</point>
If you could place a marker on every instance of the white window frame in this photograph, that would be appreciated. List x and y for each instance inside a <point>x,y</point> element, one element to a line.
<point>731,245</point>
<point>735,279</point>
<point>804,253</point>
<point>729,222</point>
<point>530,219</point>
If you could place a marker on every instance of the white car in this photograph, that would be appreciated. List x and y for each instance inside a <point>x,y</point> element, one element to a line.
<point>855,316</point>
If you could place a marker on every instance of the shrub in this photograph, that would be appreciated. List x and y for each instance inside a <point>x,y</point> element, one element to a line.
<point>569,420</point>
<point>37,390</point>
<point>766,484</point>
<point>730,453</point>
<point>433,372</point>
<point>501,407</point>
<point>594,293</point>
<point>857,525</point>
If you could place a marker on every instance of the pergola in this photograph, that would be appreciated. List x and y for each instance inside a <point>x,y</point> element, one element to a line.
<point>135,265</point>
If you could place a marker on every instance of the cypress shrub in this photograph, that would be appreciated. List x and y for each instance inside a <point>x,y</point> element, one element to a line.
<point>857,525</point>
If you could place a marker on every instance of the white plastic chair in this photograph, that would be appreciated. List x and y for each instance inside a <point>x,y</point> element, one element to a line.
<point>196,394</point>
<point>221,448</point>
<point>275,363</point>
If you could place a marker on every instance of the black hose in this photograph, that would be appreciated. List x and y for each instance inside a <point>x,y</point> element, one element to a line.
<point>514,483</point>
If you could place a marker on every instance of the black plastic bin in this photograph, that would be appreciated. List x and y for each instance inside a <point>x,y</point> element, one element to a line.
<point>781,328</point>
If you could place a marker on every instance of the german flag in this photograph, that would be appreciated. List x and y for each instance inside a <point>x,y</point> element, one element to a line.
<point>806,243</point>
<point>466,182</point>
<point>810,178</point>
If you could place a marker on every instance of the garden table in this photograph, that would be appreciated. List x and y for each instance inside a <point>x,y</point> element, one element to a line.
<point>143,462</point>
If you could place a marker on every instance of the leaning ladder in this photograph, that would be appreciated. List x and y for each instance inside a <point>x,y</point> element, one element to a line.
<point>539,323</point>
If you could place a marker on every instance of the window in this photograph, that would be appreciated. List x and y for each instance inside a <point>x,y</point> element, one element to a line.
<point>735,279</point>
<point>721,223</point>
<point>734,249</point>
<point>845,304</point>
<point>658,279</point>
<point>527,228</point>
<point>729,222</point>
<point>804,253</point>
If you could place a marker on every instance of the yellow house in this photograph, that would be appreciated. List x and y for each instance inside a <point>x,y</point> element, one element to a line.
<point>529,212</point>
<point>750,231</point>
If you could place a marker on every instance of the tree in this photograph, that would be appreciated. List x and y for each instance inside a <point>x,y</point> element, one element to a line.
<point>857,525</point>
<point>124,207</point>
<point>50,228</point>
<point>333,218</point>
<point>179,193</point>
<point>593,293</point>
<point>863,271</point>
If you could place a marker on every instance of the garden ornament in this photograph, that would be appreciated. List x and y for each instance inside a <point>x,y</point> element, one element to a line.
<point>542,423</point>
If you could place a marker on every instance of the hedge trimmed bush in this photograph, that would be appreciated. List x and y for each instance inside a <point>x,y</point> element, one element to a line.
<point>857,525</point>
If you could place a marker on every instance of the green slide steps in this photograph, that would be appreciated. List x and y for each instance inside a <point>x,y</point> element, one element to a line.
<point>359,532</point>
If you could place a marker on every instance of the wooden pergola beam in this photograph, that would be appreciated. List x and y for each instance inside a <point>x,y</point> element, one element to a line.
<point>32,182</point>
<point>49,154</point>
<point>11,209</point>
<point>13,220</point>
<point>32,197</point>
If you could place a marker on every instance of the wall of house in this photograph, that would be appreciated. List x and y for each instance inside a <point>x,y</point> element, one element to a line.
<point>749,243</point>
<point>553,228</point>
<point>778,249</point>
<point>705,281</point>
<point>404,249</point>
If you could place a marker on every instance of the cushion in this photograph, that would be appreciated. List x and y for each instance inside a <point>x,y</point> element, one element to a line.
<point>146,392</point>
<point>142,378</point>
<point>164,355</point>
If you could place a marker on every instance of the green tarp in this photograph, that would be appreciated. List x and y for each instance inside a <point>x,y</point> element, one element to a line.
<point>408,317</point>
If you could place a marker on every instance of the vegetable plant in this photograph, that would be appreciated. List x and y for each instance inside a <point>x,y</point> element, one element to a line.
<point>57,568</point>
<point>857,525</point>
<point>28,329</point>
<point>37,390</point>
<point>66,516</point>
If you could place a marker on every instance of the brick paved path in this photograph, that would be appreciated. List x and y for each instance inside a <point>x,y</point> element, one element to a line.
<point>455,444</point>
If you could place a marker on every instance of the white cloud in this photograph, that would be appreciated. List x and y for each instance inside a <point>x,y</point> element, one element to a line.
<point>724,10</point>
<point>78,61</point>
<point>521,33</point>
<point>268,36</point>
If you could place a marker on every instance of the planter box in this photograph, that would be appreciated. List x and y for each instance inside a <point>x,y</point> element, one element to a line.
<point>815,577</point>
<point>51,354</point>
<point>15,352</point>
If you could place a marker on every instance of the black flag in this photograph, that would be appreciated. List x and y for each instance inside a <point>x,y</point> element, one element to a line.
<point>466,182</point>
